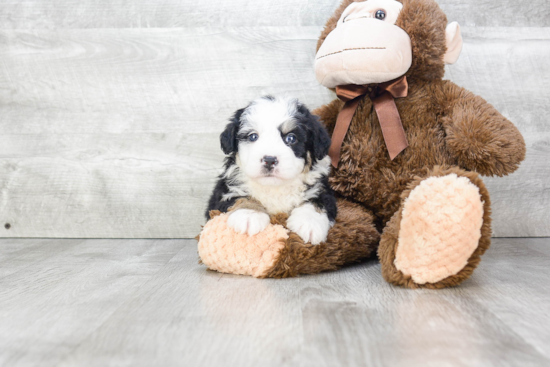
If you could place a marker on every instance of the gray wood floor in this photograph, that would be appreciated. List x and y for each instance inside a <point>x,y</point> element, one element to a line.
<point>149,303</point>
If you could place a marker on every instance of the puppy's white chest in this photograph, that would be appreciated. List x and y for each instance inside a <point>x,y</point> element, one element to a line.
<point>279,199</point>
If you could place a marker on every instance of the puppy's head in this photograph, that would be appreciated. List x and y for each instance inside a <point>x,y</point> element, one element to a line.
<point>274,140</point>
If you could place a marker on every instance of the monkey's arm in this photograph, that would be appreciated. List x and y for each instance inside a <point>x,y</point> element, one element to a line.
<point>329,113</point>
<point>478,136</point>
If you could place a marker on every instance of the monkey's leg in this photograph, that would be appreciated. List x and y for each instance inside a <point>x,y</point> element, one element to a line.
<point>441,229</point>
<point>352,238</point>
<point>278,253</point>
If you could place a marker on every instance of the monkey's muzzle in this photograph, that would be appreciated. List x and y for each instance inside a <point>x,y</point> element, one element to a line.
<point>363,51</point>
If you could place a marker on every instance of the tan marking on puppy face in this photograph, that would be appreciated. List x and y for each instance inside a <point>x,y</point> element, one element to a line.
<point>288,126</point>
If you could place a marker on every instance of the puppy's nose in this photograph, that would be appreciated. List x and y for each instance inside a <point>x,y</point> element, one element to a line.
<point>269,161</point>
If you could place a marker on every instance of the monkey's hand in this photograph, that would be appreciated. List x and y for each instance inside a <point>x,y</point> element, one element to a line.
<point>478,136</point>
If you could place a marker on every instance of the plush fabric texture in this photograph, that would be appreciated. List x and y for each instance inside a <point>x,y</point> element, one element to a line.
<point>425,24</point>
<point>224,250</point>
<point>452,133</point>
<point>352,238</point>
<point>449,129</point>
<point>364,62</point>
<point>390,238</point>
<point>439,132</point>
<point>440,228</point>
<point>278,253</point>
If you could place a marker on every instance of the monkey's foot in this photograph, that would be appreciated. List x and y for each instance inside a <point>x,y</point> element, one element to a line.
<point>436,238</point>
<point>440,229</point>
<point>224,250</point>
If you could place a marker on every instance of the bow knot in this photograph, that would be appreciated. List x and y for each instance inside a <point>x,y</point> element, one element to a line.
<point>382,96</point>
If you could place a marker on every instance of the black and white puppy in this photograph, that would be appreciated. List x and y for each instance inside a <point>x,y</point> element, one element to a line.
<point>276,153</point>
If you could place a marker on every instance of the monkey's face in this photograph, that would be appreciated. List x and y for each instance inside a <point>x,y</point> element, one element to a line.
<point>365,47</point>
<point>370,42</point>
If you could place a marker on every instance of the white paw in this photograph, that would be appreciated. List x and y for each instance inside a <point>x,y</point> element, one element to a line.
<point>309,224</point>
<point>248,221</point>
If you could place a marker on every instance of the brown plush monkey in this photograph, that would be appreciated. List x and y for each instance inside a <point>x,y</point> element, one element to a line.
<point>408,149</point>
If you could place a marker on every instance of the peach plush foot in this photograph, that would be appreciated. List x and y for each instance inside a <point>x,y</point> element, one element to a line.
<point>440,228</point>
<point>224,250</point>
<point>443,226</point>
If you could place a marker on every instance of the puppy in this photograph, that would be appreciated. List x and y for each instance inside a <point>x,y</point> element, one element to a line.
<point>276,162</point>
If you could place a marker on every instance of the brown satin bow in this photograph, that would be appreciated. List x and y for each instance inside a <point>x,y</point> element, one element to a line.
<point>382,97</point>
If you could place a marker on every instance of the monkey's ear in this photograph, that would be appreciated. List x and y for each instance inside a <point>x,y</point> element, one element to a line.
<point>453,42</point>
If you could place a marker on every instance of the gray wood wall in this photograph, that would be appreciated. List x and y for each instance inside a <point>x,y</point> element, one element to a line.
<point>110,111</point>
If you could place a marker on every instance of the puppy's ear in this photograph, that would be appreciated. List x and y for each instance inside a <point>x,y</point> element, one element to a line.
<point>228,139</point>
<point>319,138</point>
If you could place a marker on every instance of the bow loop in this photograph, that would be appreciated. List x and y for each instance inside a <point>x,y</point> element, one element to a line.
<point>349,92</point>
<point>398,88</point>
<point>382,97</point>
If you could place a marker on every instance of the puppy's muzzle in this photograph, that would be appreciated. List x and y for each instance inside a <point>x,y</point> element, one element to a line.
<point>269,162</point>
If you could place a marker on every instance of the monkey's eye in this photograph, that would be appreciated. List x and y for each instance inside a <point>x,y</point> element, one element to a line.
<point>290,139</point>
<point>253,137</point>
<point>380,14</point>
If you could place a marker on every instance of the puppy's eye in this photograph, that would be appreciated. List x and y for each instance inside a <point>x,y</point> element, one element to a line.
<point>253,137</point>
<point>380,14</point>
<point>290,139</point>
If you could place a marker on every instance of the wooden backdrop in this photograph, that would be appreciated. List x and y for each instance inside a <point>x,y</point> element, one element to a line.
<point>110,111</point>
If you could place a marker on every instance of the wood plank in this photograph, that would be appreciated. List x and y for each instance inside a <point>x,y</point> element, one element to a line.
<point>488,13</point>
<point>517,269</point>
<point>50,14</point>
<point>357,319</point>
<point>119,128</point>
<point>203,319</point>
<point>49,308</point>
<point>128,185</point>
<point>538,245</point>
<point>149,80</point>
<point>148,303</point>
<point>114,132</point>
<point>20,254</point>
<point>377,324</point>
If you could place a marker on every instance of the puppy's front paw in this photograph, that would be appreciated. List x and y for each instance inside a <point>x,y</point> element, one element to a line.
<point>248,221</point>
<point>309,224</point>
